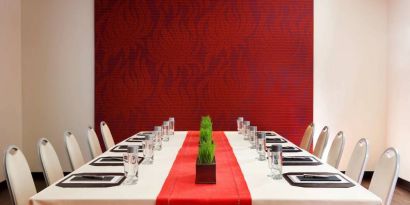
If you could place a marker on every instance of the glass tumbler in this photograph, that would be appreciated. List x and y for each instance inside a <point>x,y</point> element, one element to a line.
<point>246,125</point>
<point>275,161</point>
<point>252,136</point>
<point>149,149</point>
<point>158,137</point>
<point>261,145</point>
<point>171,125</point>
<point>165,131</point>
<point>239,123</point>
<point>130,160</point>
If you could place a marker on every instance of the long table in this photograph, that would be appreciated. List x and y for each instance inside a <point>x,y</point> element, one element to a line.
<point>152,177</point>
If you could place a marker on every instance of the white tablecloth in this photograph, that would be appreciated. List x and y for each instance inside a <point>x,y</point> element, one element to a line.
<point>266,191</point>
<point>151,178</point>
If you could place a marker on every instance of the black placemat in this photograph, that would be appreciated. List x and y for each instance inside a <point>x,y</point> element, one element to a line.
<point>135,139</point>
<point>275,140</point>
<point>291,149</point>
<point>318,185</point>
<point>123,148</point>
<point>108,161</point>
<point>90,185</point>
<point>300,161</point>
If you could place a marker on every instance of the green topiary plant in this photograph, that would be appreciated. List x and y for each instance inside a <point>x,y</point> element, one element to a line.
<point>205,135</point>
<point>206,122</point>
<point>206,153</point>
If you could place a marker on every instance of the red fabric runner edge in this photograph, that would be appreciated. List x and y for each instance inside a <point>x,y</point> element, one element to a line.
<point>180,188</point>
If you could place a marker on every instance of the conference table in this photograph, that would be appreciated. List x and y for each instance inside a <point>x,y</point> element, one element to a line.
<point>258,188</point>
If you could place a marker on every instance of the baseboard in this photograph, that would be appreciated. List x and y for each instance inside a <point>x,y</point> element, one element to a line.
<point>403,184</point>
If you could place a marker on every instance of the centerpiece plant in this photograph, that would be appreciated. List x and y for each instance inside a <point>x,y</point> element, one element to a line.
<point>206,163</point>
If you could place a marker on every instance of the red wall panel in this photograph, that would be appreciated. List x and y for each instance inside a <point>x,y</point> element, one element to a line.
<point>155,59</point>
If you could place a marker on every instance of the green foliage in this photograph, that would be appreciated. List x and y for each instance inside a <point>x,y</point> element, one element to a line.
<point>206,122</point>
<point>205,135</point>
<point>206,151</point>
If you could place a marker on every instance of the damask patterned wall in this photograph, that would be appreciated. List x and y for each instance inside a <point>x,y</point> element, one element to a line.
<point>155,59</point>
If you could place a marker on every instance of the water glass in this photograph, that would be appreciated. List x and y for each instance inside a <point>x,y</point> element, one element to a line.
<point>261,145</point>
<point>252,136</point>
<point>149,149</point>
<point>165,131</point>
<point>171,125</point>
<point>158,138</point>
<point>246,125</point>
<point>130,160</point>
<point>275,161</point>
<point>239,123</point>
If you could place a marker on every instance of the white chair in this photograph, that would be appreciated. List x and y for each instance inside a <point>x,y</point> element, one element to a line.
<point>107,136</point>
<point>93,143</point>
<point>358,161</point>
<point>336,150</point>
<point>321,142</point>
<point>385,175</point>
<point>73,150</point>
<point>308,137</point>
<point>52,170</point>
<point>18,175</point>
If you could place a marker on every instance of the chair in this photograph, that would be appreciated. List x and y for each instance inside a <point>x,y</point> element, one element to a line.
<point>321,142</point>
<point>18,175</point>
<point>73,150</point>
<point>385,175</point>
<point>358,161</point>
<point>308,137</point>
<point>107,136</point>
<point>93,143</point>
<point>336,150</point>
<point>52,170</point>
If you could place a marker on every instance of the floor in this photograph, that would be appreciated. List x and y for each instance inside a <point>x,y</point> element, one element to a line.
<point>401,196</point>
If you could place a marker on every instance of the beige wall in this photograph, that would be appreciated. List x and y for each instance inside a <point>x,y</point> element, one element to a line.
<point>398,83</point>
<point>10,75</point>
<point>57,73</point>
<point>349,72</point>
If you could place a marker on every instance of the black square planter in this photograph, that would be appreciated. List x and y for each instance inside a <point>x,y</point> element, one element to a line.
<point>205,173</point>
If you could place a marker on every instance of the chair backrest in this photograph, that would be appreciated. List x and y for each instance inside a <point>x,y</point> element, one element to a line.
<point>73,150</point>
<point>358,161</point>
<point>336,150</point>
<point>107,136</point>
<point>18,175</point>
<point>52,170</point>
<point>93,143</point>
<point>321,142</point>
<point>308,137</point>
<point>385,175</point>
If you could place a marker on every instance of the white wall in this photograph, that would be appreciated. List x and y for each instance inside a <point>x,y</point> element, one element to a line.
<point>10,75</point>
<point>57,73</point>
<point>349,72</point>
<point>398,83</point>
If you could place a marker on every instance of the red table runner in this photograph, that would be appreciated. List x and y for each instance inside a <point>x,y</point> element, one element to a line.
<point>180,188</point>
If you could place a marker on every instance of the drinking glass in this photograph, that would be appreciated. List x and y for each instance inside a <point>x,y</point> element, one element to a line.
<point>261,145</point>
<point>275,162</point>
<point>130,160</point>
<point>252,136</point>
<point>149,149</point>
<point>239,123</point>
<point>165,131</point>
<point>246,125</point>
<point>158,137</point>
<point>171,125</point>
